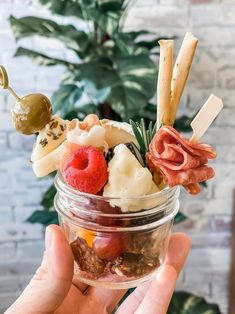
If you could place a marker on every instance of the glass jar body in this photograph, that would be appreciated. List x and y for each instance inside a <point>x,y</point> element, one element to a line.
<point>114,248</point>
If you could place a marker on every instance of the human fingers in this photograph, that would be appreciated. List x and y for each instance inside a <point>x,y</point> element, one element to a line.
<point>159,293</point>
<point>106,298</point>
<point>178,249</point>
<point>80,285</point>
<point>52,281</point>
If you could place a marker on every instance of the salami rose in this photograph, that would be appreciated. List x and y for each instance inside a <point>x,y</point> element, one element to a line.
<point>179,161</point>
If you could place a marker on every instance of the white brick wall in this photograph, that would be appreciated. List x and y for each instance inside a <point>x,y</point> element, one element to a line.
<point>213,21</point>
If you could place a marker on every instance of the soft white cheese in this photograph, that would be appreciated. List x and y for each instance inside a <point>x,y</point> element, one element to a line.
<point>94,137</point>
<point>127,179</point>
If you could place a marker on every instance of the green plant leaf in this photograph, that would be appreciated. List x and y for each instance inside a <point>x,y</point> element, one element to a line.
<point>48,198</point>
<point>130,43</point>
<point>186,303</point>
<point>105,14</point>
<point>147,44</point>
<point>87,109</point>
<point>109,16</point>
<point>135,84</point>
<point>41,58</point>
<point>82,111</point>
<point>134,35</point>
<point>102,12</point>
<point>108,23</point>
<point>182,124</point>
<point>73,114</point>
<point>151,43</point>
<point>203,184</point>
<point>99,71</point>
<point>97,95</point>
<point>110,5</point>
<point>65,98</point>
<point>43,217</point>
<point>66,8</point>
<point>30,25</point>
<point>148,113</point>
<point>179,218</point>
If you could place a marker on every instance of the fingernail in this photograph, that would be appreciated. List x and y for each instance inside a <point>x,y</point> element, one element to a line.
<point>48,238</point>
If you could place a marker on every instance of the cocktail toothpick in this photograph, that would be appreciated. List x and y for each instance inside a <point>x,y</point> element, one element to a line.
<point>4,82</point>
<point>205,117</point>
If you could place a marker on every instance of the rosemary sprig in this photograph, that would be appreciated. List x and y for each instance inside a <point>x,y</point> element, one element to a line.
<point>143,135</point>
<point>136,152</point>
<point>137,132</point>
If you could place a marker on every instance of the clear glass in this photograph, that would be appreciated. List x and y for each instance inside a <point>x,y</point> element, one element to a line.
<point>117,243</point>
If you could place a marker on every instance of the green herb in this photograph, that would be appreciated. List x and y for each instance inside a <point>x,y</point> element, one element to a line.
<point>143,136</point>
<point>136,152</point>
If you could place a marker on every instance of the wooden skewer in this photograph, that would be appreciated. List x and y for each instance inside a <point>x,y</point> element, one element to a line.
<point>13,93</point>
<point>205,117</point>
<point>181,72</point>
<point>164,81</point>
<point>4,82</point>
<point>3,77</point>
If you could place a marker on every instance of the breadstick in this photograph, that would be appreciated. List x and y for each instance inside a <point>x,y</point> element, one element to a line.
<point>164,81</point>
<point>181,72</point>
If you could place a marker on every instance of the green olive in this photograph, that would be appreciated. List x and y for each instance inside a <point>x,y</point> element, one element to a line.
<point>31,113</point>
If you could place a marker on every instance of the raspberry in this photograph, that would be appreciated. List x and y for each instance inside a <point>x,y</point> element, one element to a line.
<point>86,170</point>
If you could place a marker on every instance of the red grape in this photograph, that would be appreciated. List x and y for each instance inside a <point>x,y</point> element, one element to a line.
<point>108,246</point>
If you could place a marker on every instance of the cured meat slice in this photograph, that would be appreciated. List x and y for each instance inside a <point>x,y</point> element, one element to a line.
<point>179,161</point>
<point>193,188</point>
<point>168,135</point>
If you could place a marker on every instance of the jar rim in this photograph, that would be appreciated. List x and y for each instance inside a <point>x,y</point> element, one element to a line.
<point>70,201</point>
<point>62,185</point>
<point>93,226</point>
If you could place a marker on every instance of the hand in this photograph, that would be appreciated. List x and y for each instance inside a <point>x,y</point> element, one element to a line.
<point>52,289</point>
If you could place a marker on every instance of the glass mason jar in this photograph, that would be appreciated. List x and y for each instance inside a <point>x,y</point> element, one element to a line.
<point>114,245</point>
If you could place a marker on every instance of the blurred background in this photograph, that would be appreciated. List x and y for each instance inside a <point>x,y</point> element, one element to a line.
<point>208,215</point>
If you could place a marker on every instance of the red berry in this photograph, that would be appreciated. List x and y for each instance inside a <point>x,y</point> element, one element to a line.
<point>86,170</point>
<point>107,246</point>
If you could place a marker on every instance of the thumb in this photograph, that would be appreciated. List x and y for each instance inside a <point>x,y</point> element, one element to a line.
<point>52,281</point>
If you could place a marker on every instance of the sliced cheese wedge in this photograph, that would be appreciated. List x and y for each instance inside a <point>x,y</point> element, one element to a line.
<point>48,163</point>
<point>49,138</point>
<point>117,133</point>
